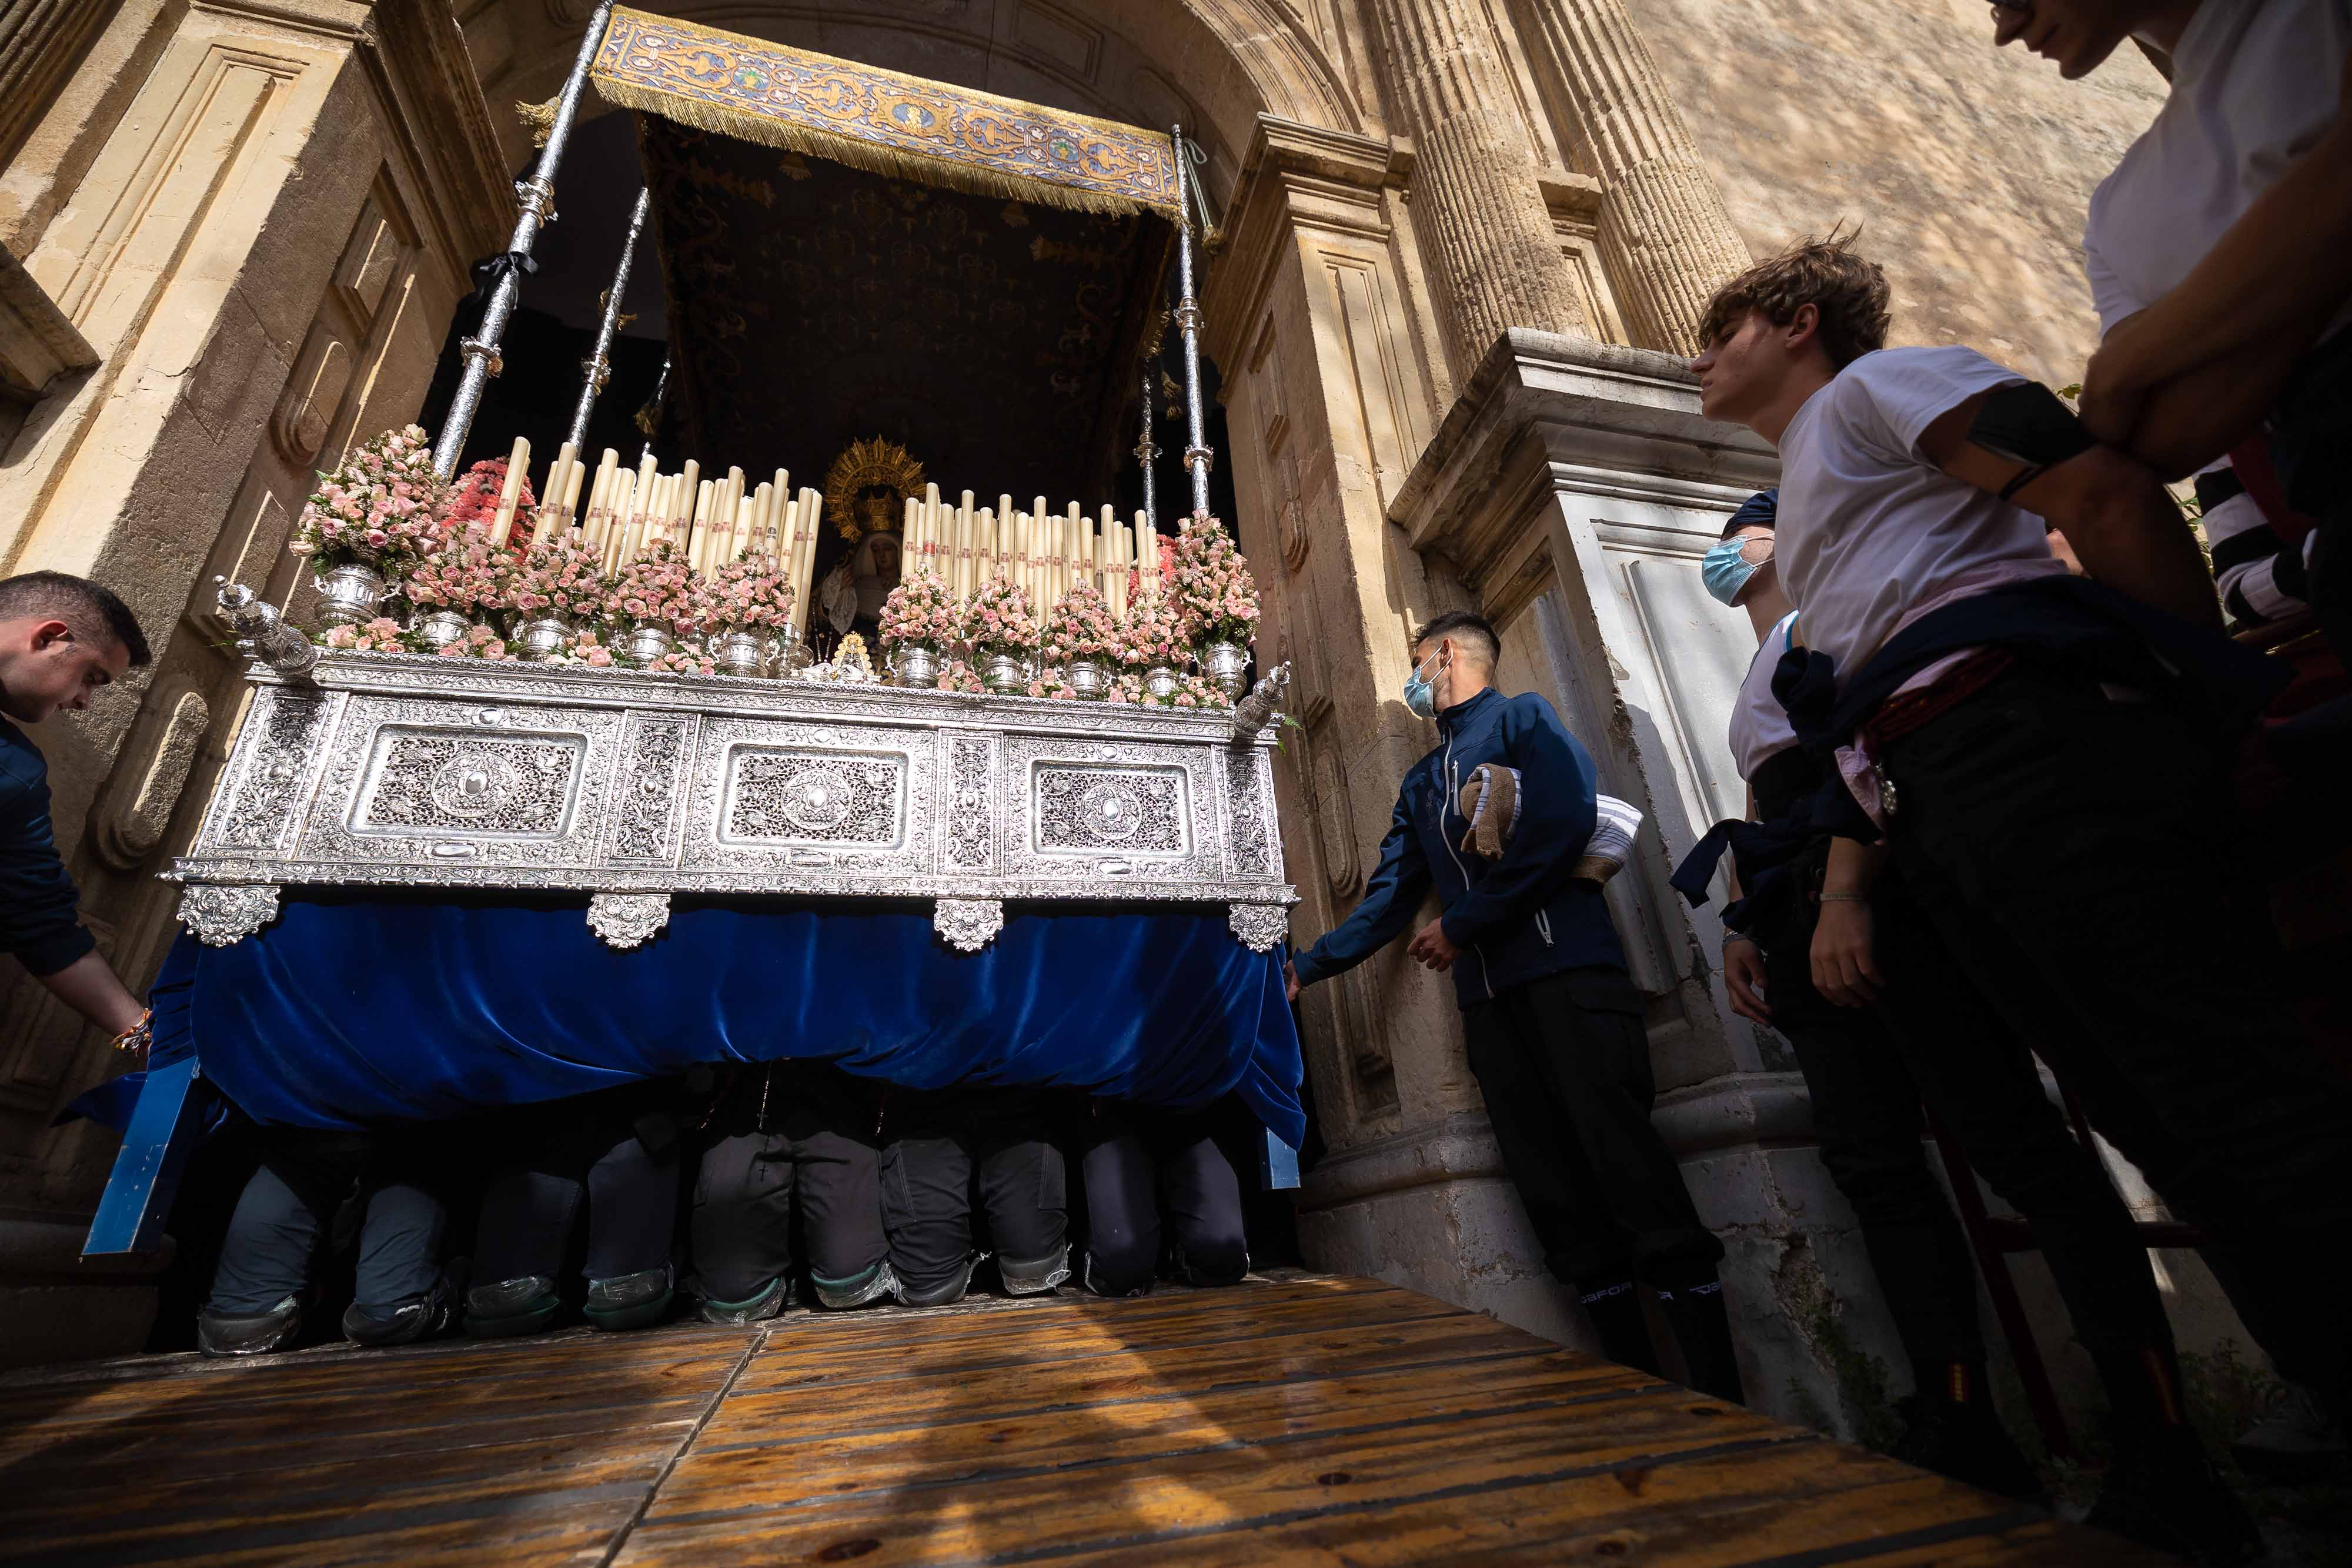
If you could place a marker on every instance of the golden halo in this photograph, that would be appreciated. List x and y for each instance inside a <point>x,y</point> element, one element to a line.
<point>864,467</point>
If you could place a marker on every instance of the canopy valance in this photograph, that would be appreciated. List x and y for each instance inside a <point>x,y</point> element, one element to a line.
<point>882,121</point>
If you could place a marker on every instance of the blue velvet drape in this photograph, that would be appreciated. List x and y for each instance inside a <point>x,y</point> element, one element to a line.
<point>351,1008</point>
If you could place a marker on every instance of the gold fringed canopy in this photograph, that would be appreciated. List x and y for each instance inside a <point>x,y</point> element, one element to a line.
<point>900,126</point>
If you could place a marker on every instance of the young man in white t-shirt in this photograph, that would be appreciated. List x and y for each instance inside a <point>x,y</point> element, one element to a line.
<point>2044,757</point>
<point>2216,247</point>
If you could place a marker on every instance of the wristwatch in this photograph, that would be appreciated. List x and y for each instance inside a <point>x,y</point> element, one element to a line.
<point>139,1035</point>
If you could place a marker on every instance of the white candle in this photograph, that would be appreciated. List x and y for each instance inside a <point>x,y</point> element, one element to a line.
<point>778,504</point>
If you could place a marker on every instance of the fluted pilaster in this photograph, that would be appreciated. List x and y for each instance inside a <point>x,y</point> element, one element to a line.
<point>1485,232</point>
<point>1665,237</point>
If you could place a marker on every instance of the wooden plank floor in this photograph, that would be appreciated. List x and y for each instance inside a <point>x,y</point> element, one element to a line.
<point>1307,1420</point>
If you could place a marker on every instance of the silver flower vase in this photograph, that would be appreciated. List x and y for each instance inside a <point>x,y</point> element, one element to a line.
<point>644,645</point>
<point>439,628</point>
<point>738,652</point>
<point>543,636</point>
<point>918,664</point>
<point>1223,665</point>
<point>350,593</point>
<point>1159,682</point>
<point>1088,681</point>
<point>1004,673</point>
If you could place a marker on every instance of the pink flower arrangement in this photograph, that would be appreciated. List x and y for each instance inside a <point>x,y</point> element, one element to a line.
<point>1217,598</point>
<point>381,506</point>
<point>920,611</point>
<point>682,661</point>
<point>1154,635</point>
<point>473,498</point>
<point>586,649</point>
<point>1081,627</point>
<point>479,643</point>
<point>959,676</point>
<point>657,589</point>
<point>558,578</point>
<point>750,593</point>
<point>999,619</point>
<point>460,571</point>
<point>381,635</point>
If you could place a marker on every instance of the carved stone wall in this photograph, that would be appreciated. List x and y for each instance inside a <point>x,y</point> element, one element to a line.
<point>258,219</point>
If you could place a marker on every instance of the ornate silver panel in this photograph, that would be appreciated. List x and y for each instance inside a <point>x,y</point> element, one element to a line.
<point>280,750</point>
<point>424,782</point>
<point>403,770</point>
<point>812,805</point>
<point>651,796</point>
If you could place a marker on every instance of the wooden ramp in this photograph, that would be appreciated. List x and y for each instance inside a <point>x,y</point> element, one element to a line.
<point>1308,1419</point>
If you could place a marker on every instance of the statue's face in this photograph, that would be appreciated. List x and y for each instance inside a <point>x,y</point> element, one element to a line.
<point>886,558</point>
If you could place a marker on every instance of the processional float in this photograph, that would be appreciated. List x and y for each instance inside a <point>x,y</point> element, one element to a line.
<point>650,728</point>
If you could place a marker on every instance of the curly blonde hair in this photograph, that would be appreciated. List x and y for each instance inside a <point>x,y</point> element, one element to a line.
<point>1827,274</point>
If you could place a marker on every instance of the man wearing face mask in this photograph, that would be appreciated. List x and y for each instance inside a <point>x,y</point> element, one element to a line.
<point>1553,1022</point>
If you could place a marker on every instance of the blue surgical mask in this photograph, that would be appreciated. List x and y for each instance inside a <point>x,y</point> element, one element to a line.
<point>1419,695</point>
<point>1726,570</point>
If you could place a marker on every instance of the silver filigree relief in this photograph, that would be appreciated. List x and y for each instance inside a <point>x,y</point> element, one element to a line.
<point>1259,925</point>
<point>821,798</point>
<point>971,808</point>
<point>219,916</point>
<point>968,925</point>
<point>278,747</point>
<point>644,805</point>
<point>476,784</point>
<point>1124,810</point>
<point>626,920</point>
<point>1248,840</point>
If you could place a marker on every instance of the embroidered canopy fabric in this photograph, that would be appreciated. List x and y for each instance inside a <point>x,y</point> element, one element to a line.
<point>881,120</point>
<point>500,999</point>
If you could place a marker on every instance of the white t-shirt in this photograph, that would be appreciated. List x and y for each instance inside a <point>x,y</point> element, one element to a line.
<point>2255,82</point>
<point>1871,534</point>
<point>1760,725</point>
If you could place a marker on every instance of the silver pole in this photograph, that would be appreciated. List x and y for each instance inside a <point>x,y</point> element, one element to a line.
<point>598,366</point>
<point>661,387</point>
<point>1197,455</point>
<point>1145,450</point>
<point>538,194</point>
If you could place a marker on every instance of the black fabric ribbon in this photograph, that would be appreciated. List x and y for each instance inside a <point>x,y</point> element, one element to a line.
<point>491,268</point>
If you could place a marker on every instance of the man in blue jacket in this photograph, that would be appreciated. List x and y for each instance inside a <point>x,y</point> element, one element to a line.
<point>1554,1024</point>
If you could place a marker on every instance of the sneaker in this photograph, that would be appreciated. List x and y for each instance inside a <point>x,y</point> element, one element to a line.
<point>2295,1440</point>
<point>1968,1443</point>
<point>2163,1491</point>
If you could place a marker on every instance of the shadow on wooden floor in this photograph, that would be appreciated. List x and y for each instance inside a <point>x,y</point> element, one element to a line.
<point>1296,1419</point>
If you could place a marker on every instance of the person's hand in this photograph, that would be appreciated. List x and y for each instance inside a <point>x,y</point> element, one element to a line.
<point>1844,967</point>
<point>1289,981</point>
<point>1743,978</point>
<point>2113,394</point>
<point>1431,947</point>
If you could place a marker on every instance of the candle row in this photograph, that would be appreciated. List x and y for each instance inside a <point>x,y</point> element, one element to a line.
<point>710,522</point>
<point>1044,552</point>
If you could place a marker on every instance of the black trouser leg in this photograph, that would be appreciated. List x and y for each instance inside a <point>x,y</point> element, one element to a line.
<point>272,1238</point>
<point>926,1202</point>
<point>2073,837</point>
<point>742,1227</point>
<point>1978,1074</point>
<point>400,1243</point>
<point>632,1208</point>
<point>1122,1206</point>
<point>840,1180</point>
<point>1203,1197</point>
<point>527,1212</point>
<point>1866,1113</point>
<point>1023,1187</point>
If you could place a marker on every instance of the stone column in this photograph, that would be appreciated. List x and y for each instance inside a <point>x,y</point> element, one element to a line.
<point>1485,231</point>
<point>1665,237</point>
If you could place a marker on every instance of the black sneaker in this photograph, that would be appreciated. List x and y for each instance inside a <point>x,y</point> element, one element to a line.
<point>1968,1443</point>
<point>2293,1442</point>
<point>2163,1491</point>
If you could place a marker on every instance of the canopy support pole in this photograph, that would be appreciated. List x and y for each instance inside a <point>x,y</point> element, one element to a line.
<point>538,194</point>
<point>598,366</point>
<point>1146,451</point>
<point>1197,455</point>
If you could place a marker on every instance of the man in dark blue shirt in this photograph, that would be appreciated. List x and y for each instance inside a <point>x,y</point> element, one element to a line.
<point>61,638</point>
<point>1554,1024</point>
